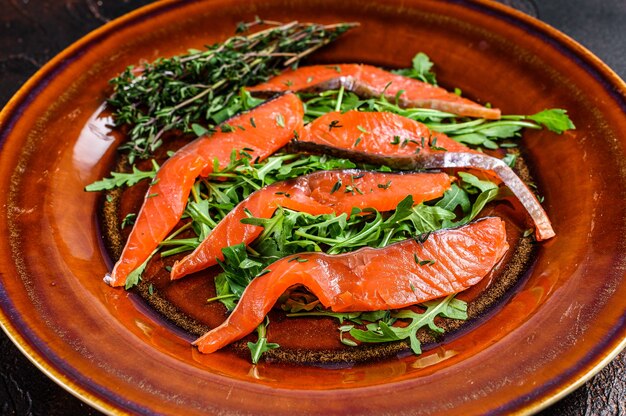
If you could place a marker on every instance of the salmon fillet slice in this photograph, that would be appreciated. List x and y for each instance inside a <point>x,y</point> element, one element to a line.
<point>401,143</point>
<point>317,193</point>
<point>261,132</point>
<point>370,81</point>
<point>371,279</point>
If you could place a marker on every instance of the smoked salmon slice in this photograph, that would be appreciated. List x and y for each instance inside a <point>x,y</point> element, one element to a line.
<point>402,274</point>
<point>260,132</point>
<point>317,193</point>
<point>402,143</point>
<point>370,81</point>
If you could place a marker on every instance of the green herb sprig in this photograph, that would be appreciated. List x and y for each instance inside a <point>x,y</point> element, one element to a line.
<point>378,326</point>
<point>120,179</point>
<point>421,69</point>
<point>258,348</point>
<point>201,87</point>
<point>489,134</point>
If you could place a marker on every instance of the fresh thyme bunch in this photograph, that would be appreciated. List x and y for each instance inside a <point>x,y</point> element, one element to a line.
<point>203,86</point>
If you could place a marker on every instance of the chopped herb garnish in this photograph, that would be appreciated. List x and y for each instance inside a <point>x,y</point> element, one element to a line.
<point>129,219</point>
<point>226,128</point>
<point>336,187</point>
<point>385,185</point>
<point>280,120</point>
<point>433,145</point>
<point>334,124</point>
<point>352,189</point>
<point>421,239</point>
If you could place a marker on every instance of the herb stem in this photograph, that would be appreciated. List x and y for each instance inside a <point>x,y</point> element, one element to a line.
<point>339,98</point>
<point>220,297</point>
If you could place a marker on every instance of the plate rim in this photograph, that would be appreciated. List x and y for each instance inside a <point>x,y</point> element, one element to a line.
<point>10,113</point>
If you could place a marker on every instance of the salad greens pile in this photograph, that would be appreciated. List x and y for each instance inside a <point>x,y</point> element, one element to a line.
<point>290,232</point>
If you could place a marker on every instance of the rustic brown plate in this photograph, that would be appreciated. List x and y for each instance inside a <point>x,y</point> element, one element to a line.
<point>108,348</point>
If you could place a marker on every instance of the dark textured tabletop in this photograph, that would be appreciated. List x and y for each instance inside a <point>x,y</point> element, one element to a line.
<point>33,31</point>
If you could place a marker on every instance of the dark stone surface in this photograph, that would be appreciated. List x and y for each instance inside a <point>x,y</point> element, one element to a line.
<point>32,32</point>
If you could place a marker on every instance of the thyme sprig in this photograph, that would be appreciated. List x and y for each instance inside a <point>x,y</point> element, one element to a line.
<point>201,87</point>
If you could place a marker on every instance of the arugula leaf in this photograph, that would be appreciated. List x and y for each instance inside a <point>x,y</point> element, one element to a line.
<point>489,191</point>
<point>421,69</point>
<point>258,348</point>
<point>134,277</point>
<point>482,200</point>
<point>119,179</point>
<point>224,293</point>
<point>129,219</point>
<point>449,307</point>
<point>239,269</point>
<point>379,325</point>
<point>454,198</point>
<point>201,221</point>
<point>554,119</point>
<point>469,182</point>
<point>427,218</point>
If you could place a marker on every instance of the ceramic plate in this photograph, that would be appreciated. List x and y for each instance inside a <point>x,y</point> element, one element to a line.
<point>559,327</point>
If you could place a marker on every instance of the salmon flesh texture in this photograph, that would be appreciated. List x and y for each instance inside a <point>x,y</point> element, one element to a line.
<point>261,132</point>
<point>371,279</point>
<point>370,81</point>
<point>317,193</point>
<point>401,143</point>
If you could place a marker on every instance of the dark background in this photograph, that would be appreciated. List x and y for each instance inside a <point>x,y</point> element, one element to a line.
<point>33,31</point>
